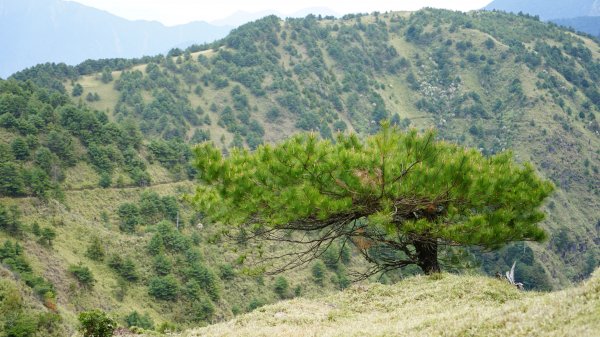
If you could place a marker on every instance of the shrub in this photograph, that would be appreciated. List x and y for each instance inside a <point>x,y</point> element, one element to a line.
<point>151,207</point>
<point>130,217</point>
<point>192,290</point>
<point>20,324</point>
<point>331,257</point>
<point>164,288</point>
<point>345,254</point>
<point>255,303</point>
<point>226,272</point>
<point>206,278</point>
<point>162,265</point>
<point>281,286</point>
<point>128,270</point>
<point>106,75</point>
<point>96,323</point>
<point>141,321</point>
<point>35,229</point>
<point>140,177</point>
<point>83,275</point>
<point>77,90</point>
<point>203,309</point>
<point>318,272</point>
<point>273,114</point>
<point>340,126</point>
<point>156,244</point>
<point>167,327</point>
<point>105,180</point>
<point>341,280</point>
<point>47,235</point>
<point>95,250</point>
<point>115,261</point>
<point>20,149</point>
<point>172,239</point>
<point>125,268</point>
<point>9,220</point>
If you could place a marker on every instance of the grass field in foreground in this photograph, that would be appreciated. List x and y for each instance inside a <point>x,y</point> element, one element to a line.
<point>439,305</point>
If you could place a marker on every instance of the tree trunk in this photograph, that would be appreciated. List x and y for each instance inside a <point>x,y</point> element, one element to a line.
<point>427,256</point>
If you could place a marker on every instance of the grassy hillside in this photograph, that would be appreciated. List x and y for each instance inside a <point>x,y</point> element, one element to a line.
<point>85,215</point>
<point>493,81</point>
<point>441,305</point>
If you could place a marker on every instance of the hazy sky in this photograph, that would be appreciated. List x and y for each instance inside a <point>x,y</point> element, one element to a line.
<point>172,12</point>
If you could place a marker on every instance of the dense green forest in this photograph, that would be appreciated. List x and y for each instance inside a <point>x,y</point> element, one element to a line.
<point>96,159</point>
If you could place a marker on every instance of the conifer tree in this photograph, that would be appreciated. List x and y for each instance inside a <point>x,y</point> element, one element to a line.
<point>399,198</point>
<point>95,250</point>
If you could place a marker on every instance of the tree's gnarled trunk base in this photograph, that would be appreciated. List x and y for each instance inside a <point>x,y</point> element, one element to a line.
<point>427,260</point>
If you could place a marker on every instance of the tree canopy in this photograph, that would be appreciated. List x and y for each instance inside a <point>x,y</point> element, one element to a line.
<point>397,196</point>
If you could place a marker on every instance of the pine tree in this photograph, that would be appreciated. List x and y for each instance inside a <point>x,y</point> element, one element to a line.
<point>20,149</point>
<point>318,272</point>
<point>156,245</point>
<point>162,265</point>
<point>281,287</point>
<point>106,75</point>
<point>47,235</point>
<point>95,250</point>
<point>10,220</point>
<point>397,197</point>
<point>77,90</point>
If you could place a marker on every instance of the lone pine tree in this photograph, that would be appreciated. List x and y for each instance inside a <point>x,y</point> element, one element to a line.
<point>398,197</point>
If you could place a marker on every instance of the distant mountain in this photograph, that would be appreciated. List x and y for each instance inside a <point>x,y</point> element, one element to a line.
<point>37,31</point>
<point>549,9</point>
<point>586,24</point>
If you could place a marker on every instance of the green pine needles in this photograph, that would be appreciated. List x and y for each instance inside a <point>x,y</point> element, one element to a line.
<point>398,197</point>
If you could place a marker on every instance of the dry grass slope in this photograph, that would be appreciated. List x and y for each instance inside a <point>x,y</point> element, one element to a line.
<point>442,305</point>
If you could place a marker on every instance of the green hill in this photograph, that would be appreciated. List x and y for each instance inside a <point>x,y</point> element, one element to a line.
<point>442,305</point>
<point>490,80</point>
<point>211,284</point>
<point>98,154</point>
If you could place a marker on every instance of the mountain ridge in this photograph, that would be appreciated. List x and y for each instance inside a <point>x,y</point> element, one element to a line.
<point>70,32</point>
<point>548,10</point>
<point>586,24</point>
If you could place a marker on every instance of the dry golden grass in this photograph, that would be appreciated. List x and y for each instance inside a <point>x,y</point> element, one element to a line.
<point>442,305</point>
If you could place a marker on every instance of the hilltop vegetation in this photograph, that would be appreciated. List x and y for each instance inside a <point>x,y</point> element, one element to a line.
<point>96,157</point>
